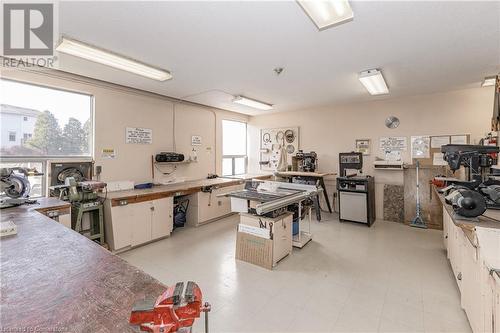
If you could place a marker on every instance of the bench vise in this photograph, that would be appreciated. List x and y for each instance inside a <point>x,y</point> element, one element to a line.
<point>173,311</point>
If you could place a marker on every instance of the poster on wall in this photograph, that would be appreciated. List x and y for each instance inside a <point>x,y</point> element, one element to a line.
<point>438,141</point>
<point>108,153</point>
<point>363,146</point>
<point>393,143</point>
<point>139,135</point>
<point>195,140</point>
<point>420,146</point>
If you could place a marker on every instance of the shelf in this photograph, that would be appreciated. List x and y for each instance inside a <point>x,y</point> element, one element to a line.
<point>175,163</point>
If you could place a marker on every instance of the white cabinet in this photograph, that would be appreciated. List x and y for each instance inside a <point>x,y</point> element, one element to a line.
<point>141,222</point>
<point>471,297</point>
<point>206,207</point>
<point>162,218</point>
<point>496,303</point>
<point>132,222</point>
<point>455,245</point>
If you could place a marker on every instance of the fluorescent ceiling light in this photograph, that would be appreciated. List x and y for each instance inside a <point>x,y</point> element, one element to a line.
<point>489,81</point>
<point>108,58</point>
<point>374,82</point>
<point>252,103</point>
<point>327,13</point>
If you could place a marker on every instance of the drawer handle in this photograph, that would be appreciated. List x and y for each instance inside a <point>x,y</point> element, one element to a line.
<point>446,237</point>
<point>459,276</point>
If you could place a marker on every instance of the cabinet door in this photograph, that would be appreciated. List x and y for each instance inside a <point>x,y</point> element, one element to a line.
<point>445,228</point>
<point>161,222</point>
<point>496,303</point>
<point>122,219</point>
<point>141,222</point>
<point>471,287</point>
<point>65,219</point>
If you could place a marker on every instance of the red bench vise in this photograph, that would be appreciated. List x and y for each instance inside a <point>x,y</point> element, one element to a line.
<point>173,311</point>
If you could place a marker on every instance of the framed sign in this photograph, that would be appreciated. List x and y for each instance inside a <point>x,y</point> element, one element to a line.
<point>139,135</point>
<point>363,146</point>
<point>195,140</point>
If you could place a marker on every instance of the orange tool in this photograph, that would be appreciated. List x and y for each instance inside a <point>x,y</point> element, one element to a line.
<point>173,311</point>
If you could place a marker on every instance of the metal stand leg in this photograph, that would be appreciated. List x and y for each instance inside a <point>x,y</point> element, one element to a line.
<point>317,208</point>
<point>325,193</point>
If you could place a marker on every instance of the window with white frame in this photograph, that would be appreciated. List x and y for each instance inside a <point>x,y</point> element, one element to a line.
<point>234,148</point>
<point>40,124</point>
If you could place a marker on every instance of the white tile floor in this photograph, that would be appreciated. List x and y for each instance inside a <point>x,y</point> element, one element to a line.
<point>350,278</point>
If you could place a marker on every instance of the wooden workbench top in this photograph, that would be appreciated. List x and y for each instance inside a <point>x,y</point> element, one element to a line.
<point>483,221</point>
<point>484,233</point>
<point>56,280</point>
<point>304,174</point>
<point>181,188</point>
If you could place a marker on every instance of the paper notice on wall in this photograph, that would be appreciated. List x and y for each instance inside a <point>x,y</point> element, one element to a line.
<point>393,156</point>
<point>420,146</point>
<point>108,153</point>
<point>437,159</point>
<point>393,143</point>
<point>438,141</point>
<point>195,140</point>
<point>459,139</point>
<point>139,135</point>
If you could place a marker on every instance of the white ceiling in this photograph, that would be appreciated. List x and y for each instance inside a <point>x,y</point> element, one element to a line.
<point>215,49</point>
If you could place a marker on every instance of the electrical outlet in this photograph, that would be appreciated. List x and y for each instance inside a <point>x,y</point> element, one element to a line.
<point>98,169</point>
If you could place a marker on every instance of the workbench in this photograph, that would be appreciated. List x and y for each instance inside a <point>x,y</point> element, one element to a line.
<point>317,177</point>
<point>139,216</point>
<point>55,280</point>
<point>473,249</point>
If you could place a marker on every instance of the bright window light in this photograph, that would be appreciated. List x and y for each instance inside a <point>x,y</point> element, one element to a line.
<point>327,13</point>
<point>108,58</point>
<point>252,103</point>
<point>234,147</point>
<point>374,82</point>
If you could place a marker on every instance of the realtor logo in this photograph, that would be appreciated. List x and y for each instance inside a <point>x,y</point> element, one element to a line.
<point>28,29</point>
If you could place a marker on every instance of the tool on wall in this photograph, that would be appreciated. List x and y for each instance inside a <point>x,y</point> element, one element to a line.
<point>173,311</point>
<point>417,221</point>
<point>14,183</point>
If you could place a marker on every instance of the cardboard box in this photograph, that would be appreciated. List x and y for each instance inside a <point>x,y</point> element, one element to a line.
<point>264,241</point>
<point>255,250</point>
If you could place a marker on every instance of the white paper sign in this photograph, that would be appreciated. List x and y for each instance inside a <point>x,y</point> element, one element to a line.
<point>437,159</point>
<point>393,156</point>
<point>459,139</point>
<point>108,153</point>
<point>195,140</point>
<point>393,143</point>
<point>139,135</point>
<point>438,141</point>
<point>420,146</point>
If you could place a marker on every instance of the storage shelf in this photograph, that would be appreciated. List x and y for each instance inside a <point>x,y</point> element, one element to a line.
<point>183,162</point>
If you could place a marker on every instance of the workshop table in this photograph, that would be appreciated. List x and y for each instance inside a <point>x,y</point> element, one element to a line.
<point>54,279</point>
<point>319,178</point>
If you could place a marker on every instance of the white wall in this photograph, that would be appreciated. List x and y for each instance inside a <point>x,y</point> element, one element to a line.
<point>332,130</point>
<point>118,107</point>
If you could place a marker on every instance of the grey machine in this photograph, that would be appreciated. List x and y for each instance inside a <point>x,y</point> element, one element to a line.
<point>15,186</point>
<point>356,193</point>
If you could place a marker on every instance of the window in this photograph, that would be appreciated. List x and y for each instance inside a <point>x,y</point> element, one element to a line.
<point>234,148</point>
<point>60,122</point>
<point>51,123</point>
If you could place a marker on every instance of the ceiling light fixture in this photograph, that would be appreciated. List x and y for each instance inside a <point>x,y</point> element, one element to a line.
<point>374,82</point>
<point>108,58</point>
<point>489,81</point>
<point>327,13</point>
<point>252,103</point>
